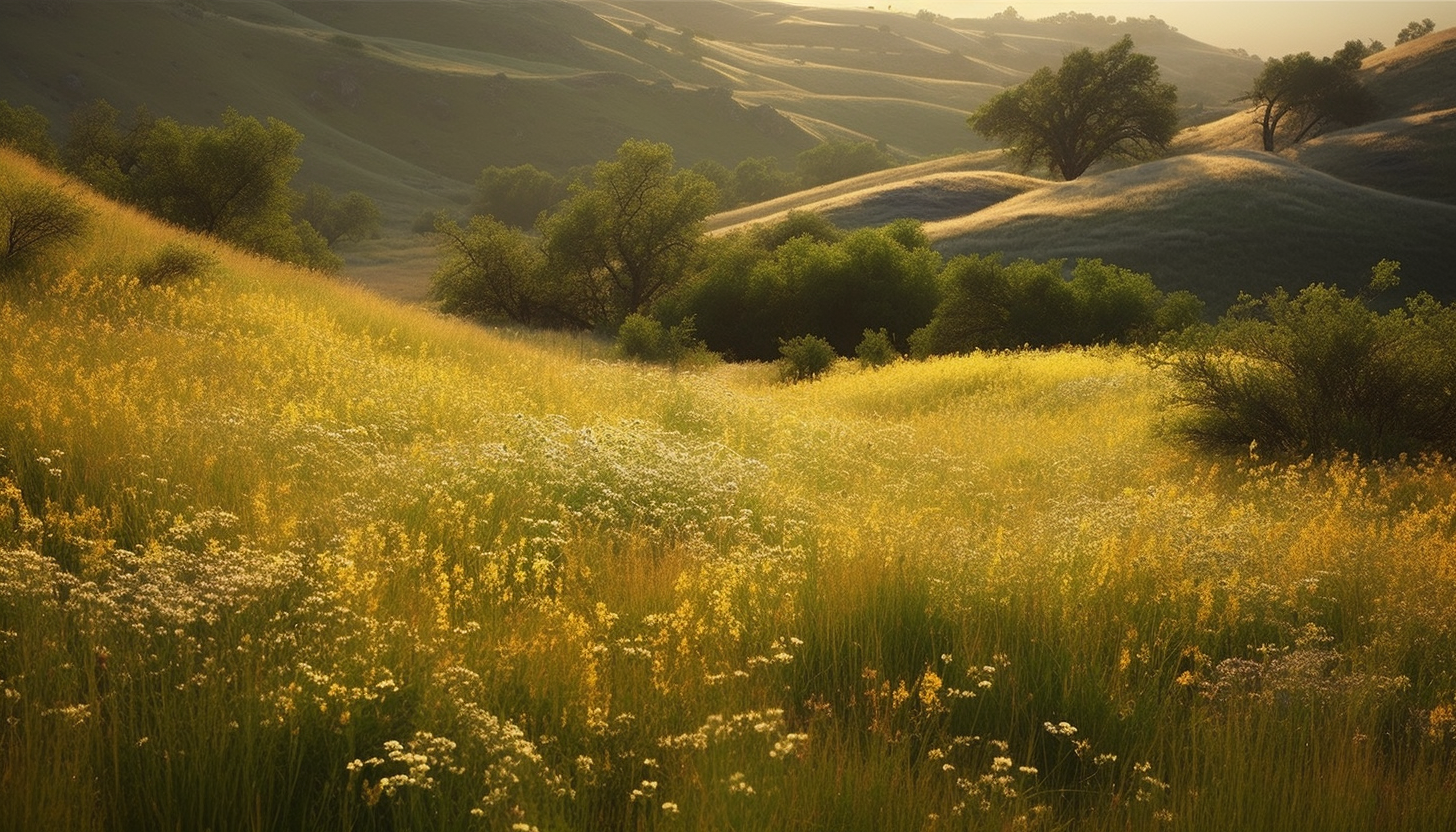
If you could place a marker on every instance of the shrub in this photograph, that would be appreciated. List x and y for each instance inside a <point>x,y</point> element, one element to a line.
<point>805,357</point>
<point>986,304</point>
<point>34,218</point>
<point>173,262</point>
<point>833,161</point>
<point>1321,373</point>
<point>643,338</point>
<point>876,349</point>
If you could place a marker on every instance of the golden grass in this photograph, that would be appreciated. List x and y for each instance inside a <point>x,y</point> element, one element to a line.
<point>276,554</point>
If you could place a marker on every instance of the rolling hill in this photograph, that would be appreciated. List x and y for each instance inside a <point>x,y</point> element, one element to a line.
<point>407,101</point>
<point>1219,216</point>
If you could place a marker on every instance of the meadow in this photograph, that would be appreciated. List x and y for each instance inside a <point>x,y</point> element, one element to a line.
<point>278,554</point>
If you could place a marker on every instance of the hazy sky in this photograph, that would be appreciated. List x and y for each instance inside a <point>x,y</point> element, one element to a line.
<point>1263,28</point>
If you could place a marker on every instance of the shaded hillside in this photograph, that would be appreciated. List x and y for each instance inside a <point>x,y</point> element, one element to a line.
<point>408,122</point>
<point>1413,150</point>
<point>1221,223</point>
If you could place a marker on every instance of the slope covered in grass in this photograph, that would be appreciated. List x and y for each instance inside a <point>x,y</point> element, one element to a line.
<point>1218,224</point>
<point>277,554</point>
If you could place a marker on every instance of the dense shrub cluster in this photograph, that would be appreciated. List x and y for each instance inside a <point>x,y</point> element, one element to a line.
<point>987,304</point>
<point>756,289</point>
<point>1321,373</point>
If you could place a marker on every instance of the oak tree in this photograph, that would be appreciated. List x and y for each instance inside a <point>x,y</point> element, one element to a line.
<point>1097,105</point>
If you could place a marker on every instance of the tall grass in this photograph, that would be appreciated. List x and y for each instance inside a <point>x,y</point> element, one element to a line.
<point>278,555</point>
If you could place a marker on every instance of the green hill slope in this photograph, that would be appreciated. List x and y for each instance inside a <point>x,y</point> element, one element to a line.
<point>1221,223</point>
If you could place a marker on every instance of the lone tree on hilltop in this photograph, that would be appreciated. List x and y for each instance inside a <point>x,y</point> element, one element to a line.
<point>1415,30</point>
<point>1300,96</point>
<point>1098,105</point>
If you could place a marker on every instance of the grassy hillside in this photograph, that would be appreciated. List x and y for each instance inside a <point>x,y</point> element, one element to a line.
<point>1219,216</point>
<point>407,101</point>
<point>276,554</point>
<point>1220,223</point>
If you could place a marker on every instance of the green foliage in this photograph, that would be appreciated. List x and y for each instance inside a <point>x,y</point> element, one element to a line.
<point>1297,97</point>
<point>353,216</point>
<point>989,305</point>
<point>174,262</point>
<point>490,271</point>
<point>805,357</point>
<point>1415,29</point>
<point>626,239</point>
<point>230,180</point>
<point>28,130</point>
<point>876,349</point>
<point>803,275</point>
<point>833,161</point>
<point>643,338</point>
<point>1321,373</point>
<point>103,151</point>
<point>35,218</point>
<point>1097,105</point>
<point>758,180</point>
<point>797,223</point>
<point>516,196</point>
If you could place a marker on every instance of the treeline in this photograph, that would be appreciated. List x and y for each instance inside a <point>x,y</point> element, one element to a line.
<point>517,195</point>
<point>231,180</point>
<point>629,241</point>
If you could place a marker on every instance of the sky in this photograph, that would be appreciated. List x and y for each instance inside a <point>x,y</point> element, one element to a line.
<point>1266,29</point>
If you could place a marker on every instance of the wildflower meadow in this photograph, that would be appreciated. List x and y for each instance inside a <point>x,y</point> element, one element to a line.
<point>276,554</point>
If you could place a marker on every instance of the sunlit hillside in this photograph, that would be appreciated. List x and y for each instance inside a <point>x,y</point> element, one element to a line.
<point>1219,216</point>
<point>1218,224</point>
<point>276,554</point>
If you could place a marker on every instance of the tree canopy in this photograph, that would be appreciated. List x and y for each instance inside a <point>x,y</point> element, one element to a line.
<point>1415,29</point>
<point>1097,105</point>
<point>1297,97</point>
<point>26,129</point>
<point>628,237</point>
<point>611,249</point>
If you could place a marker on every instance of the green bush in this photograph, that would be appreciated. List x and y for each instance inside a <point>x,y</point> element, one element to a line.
<point>35,219</point>
<point>876,349</point>
<point>642,338</point>
<point>986,304</point>
<point>1320,373</point>
<point>805,357</point>
<point>803,275</point>
<point>173,262</point>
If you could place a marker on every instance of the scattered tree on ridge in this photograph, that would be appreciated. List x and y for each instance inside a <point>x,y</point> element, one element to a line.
<point>1415,30</point>
<point>1097,105</point>
<point>1300,96</point>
